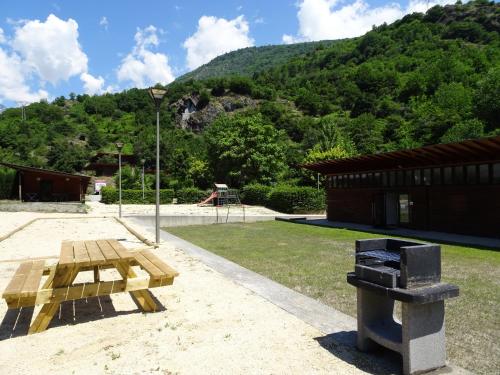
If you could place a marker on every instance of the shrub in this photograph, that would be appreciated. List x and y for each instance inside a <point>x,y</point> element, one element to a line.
<point>191,195</point>
<point>7,177</point>
<point>255,194</point>
<point>110,195</point>
<point>241,85</point>
<point>203,101</point>
<point>295,199</point>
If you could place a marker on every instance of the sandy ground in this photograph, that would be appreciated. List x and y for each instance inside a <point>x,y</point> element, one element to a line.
<point>100,209</point>
<point>208,324</point>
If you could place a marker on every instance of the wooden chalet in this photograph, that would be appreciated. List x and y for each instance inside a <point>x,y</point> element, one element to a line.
<point>43,185</point>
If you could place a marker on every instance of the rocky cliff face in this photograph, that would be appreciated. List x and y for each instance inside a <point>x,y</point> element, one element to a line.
<point>189,114</point>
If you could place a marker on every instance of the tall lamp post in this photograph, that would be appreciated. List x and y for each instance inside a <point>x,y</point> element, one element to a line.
<point>119,146</point>
<point>142,162</point>
<point>157,95</point>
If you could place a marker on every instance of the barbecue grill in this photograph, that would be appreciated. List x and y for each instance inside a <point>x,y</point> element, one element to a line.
<point>388,270</point>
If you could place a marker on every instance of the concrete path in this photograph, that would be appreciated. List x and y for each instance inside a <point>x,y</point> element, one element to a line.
<point>441,237</point>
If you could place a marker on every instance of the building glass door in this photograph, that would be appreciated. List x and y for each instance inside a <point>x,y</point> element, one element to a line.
<point>404,209</point>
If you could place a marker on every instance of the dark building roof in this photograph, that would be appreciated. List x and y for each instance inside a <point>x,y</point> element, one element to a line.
<point>469,151</point>
<point>44,171</point>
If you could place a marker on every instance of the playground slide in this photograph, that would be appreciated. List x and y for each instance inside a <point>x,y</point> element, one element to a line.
<point>212,196</point>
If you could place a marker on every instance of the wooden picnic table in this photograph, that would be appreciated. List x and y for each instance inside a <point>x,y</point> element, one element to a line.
<point>79,256</point>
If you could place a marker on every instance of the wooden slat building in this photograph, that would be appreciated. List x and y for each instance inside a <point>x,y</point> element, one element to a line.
<point>43,185</point>
<point>452,187</point>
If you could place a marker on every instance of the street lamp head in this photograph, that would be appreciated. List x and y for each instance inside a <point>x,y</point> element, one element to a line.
<point>143,161</point>
<point>119,146</point>
<point>157,95</point>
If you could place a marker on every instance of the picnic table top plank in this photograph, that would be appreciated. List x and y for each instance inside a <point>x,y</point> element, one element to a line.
<point>120,249</point>
<point>150,268</point>
<point>164,267</point>
<point>67,256</point>
<point>95,253</point>
<point>81,254</point>
<point>107,250</point>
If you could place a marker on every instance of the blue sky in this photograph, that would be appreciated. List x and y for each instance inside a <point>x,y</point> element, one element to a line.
<point>52,48</point>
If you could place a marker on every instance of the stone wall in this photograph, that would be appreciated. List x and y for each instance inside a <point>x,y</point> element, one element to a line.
<point>60,207</point>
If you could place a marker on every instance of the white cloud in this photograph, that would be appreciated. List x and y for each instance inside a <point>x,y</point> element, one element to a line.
<point>104,22</point>
<point>259,20</point>
<point>51,48</point>
<point>334,19</point>
<point>13,84</point>
<point>214,37</point>
<point>92,85</point>
<point>142,66</point>
<point>46,50</point>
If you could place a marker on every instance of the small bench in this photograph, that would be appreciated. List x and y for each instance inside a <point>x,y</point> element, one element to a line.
<point>26,280</point>
<point>155,267</point>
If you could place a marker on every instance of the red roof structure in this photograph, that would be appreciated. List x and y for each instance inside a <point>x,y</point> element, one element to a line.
<point>469,151</point>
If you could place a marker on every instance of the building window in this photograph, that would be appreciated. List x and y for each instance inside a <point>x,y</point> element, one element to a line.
<point>409,178</point>
<point>447,176</point>
<point>392,178</point>
<point>334,181</point>
<point>459,175</point>
<point>357,180</point>
<point>351,180</point>
<point>369,179</point>
<point>363,180</point>
<point>377,179</point>
<point>427,177</point>
<point>401,178</point>
<point>436,176</point>
<point>385,179</point>
<point>340,182</point>
<point>484,173</point>
<point>417,176</point>
<point>471,174</point>
<point>496,173</point>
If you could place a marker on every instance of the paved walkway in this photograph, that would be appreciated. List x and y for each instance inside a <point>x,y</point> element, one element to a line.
<point>441,237</point>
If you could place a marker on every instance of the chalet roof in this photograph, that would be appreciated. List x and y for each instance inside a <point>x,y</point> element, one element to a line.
<point>125,157</point>
<point>25,168</point>
<point>469,151</point>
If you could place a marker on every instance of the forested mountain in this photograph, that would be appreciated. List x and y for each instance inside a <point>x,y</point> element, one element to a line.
<point>421,80</point>
<point>247,61</point>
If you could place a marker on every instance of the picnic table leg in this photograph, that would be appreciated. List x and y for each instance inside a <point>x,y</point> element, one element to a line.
<point>96,274</point>
<point>61,278</point>
<point>143,297</point>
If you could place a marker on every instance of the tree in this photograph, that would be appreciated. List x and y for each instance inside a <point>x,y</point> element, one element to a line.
<point>468,129</point>
<point>486,100</point>
<point>66,157</point>
<point>245,148</point>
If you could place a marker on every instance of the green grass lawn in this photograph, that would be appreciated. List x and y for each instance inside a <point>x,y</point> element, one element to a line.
<point>314,261</point>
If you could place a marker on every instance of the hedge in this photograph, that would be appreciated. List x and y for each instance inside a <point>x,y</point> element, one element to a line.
<point>284,198</point>
<point>110,195</point>
<point>296,199</point>
<point>255,194</point>
<point>191,195</point>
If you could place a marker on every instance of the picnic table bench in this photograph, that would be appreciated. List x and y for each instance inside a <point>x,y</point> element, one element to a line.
<point>79,256</point>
